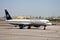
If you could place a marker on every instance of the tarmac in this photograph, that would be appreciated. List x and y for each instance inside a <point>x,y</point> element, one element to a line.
<point>9,32</point>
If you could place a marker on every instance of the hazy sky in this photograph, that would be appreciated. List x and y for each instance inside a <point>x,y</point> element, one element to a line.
<point>42,8</point>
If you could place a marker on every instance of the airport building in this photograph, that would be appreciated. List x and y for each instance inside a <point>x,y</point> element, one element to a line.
<point>22,17</point>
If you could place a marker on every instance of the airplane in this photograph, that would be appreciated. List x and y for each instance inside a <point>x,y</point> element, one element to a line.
<point>26,22</point>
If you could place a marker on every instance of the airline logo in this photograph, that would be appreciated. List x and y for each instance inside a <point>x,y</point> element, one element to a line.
<point>7,15</point>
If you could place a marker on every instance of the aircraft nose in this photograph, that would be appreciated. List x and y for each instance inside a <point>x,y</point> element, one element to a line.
<point>49,24</point>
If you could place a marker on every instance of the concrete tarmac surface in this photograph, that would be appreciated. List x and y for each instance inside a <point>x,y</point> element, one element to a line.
<point>9,32</point>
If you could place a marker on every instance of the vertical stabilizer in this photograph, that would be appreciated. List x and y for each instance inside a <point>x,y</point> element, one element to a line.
<point>8,17</point>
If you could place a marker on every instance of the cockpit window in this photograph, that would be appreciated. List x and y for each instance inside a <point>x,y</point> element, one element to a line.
<point>47,22</point>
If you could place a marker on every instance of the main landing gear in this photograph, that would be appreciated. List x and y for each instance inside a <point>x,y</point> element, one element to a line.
<point>21,26</point>
<point>29,27</point>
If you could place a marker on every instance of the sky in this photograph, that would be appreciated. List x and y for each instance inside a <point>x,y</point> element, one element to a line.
<point>44,8</point>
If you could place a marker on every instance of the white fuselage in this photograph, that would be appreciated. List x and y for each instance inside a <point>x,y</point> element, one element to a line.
<point>29,21</point>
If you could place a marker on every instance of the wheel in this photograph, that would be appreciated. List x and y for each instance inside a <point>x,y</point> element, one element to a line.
<point>29,27</point>
<point>44,27</point>
<point>21,27</point>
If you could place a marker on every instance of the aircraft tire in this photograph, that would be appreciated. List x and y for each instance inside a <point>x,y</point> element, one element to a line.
<point>29,27</point>
<point>44,27</point>
<point>21,27</point>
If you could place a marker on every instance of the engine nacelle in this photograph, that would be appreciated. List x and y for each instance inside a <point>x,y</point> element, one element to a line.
<point>36,25</point>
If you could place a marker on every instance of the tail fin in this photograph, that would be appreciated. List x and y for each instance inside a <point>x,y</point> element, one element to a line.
<point>8,17</point>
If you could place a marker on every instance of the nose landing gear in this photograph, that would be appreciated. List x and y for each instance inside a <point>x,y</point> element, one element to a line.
<point>44,27</point>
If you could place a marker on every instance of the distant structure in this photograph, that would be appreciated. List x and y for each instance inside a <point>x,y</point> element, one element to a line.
<point>27,17</point>
<point>22,17</point>
<point>54,18</point>
<point>2,18</point>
